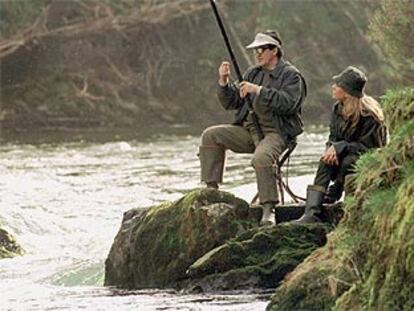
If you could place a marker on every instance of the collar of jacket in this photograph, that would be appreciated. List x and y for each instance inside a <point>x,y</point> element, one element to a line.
<point>337,107</point>
<point>275,72</point>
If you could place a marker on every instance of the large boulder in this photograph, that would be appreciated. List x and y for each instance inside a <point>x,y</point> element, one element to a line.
<point>259,258</point>
<point>209,240</point>
<point>8,245</point>
<point>154,248</point>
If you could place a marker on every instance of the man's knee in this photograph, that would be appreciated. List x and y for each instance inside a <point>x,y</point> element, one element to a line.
<point>262,159</point>
<point>209,135</point>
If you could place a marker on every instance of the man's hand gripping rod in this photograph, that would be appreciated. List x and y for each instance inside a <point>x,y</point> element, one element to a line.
<point>255,120</point>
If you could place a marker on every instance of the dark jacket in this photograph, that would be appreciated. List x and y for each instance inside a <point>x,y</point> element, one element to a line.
<point>285,94</point>
<point>368,133</point>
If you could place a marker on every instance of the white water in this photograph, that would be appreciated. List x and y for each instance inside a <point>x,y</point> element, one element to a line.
<point>64,203</point>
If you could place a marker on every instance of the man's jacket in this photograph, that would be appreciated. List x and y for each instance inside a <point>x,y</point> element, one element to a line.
<point>284,94</point>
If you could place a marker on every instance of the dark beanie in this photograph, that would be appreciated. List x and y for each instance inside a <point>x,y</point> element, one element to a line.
<point>352,80</point>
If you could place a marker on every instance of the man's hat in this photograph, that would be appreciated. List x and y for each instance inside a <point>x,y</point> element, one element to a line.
<point>352,80</point>
<point>262,39</point>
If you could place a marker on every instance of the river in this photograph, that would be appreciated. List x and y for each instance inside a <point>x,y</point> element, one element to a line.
<point>63,197</point>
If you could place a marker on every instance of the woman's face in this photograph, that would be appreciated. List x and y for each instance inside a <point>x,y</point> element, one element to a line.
<point>338,93</point>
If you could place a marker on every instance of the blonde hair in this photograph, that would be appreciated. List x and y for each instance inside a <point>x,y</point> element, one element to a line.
<point>354,108</point>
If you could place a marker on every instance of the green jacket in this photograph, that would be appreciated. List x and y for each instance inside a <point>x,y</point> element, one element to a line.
<point>284,94</point>
<point>368,133</point>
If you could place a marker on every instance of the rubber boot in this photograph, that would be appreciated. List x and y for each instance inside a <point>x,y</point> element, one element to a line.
<point>334,193</point>
<point>212,165</point>
<point>268,216</point>
<point>314,198</point>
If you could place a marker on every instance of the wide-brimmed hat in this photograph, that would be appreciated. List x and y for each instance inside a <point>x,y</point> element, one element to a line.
<point>262,39</point>
<point>352,80</point>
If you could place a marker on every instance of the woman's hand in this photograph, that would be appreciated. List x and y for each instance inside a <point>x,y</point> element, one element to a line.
<point>247,87</point>
<point>330,157</point>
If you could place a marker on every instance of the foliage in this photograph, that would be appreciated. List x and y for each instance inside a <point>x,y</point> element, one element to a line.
<point>393,28</point>
<point>18,15</point>
<point>144,62</point>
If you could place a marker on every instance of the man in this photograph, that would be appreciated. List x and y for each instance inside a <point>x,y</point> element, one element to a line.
<point>277,90</point>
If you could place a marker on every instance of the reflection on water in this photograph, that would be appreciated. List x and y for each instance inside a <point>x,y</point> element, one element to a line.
<point>64,202</point>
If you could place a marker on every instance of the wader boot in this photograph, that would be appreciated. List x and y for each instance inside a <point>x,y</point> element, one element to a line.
<point>266,185</point>
<point>314,198</point>
<point>212,165</point>
<point>268,216</point>
<point>334,193</point>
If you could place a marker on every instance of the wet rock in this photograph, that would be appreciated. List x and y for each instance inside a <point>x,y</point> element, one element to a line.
<point>259,258</point>
<point>209,240</point>
<point>8,245</point>
<point>117,265</point>
<point>155,248</point>
<point>315,284</point>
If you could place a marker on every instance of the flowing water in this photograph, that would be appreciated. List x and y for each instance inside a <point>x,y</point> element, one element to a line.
<point>63,198</point>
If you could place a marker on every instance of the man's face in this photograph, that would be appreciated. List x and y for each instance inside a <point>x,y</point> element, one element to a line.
<point>265,56</point>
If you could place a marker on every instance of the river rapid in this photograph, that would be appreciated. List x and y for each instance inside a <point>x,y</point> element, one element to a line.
<point>63,196</point>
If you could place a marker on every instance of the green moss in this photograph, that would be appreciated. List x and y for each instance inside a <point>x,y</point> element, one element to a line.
<point>8,245</point>
<point>261,257</point>
<point>169,237</point>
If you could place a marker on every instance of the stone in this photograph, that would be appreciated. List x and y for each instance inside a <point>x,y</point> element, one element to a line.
<point>8,245</point>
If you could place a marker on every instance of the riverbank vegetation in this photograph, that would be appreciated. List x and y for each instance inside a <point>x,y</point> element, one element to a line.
<point>142,63</point>
<point>367,263</point>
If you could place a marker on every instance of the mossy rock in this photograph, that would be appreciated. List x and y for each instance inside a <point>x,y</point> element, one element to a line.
<point>117,265</point>
<point>156,247</point>
<point>259,258</point>
<point>315,284</point>
<point>8,245</point>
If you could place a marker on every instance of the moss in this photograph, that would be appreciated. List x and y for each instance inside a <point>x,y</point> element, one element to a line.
<point>8,245</point>
<point>166,239</point>
<point>261,257</point>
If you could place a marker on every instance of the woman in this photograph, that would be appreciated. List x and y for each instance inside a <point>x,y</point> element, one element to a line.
<point>357,125</point>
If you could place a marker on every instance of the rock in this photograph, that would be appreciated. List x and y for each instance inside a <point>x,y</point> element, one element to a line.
<point>155,248</point>
<point>210,240</point>
<point>8,245</point>
<point>117,265</point>
<point>259,258</point>
<point>315,284</point>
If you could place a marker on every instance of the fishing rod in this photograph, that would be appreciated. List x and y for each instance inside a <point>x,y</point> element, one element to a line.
<point>253,115</point>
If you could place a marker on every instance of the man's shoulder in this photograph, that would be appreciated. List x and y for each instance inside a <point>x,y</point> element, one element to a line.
<point>289,68</point>
<point>252,70</point>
